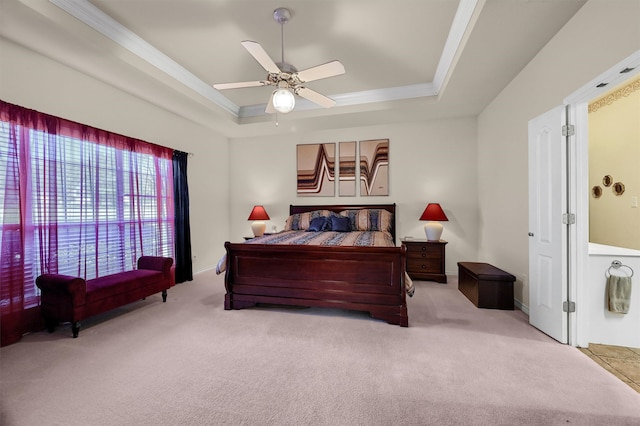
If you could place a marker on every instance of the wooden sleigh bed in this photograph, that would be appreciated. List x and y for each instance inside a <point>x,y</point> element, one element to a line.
<point>370,279</point>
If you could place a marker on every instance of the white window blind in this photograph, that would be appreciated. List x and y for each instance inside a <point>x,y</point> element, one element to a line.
<point>91,209</point>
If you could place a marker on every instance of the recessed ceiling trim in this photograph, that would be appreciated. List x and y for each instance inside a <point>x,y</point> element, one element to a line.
<point>356,98</point>
<point>387,94</point>
<point>106,25</point>
<point>458,28</point>
<point>103,23</point>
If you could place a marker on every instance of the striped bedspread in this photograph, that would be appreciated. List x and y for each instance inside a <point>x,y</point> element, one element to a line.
<point>327,238</point>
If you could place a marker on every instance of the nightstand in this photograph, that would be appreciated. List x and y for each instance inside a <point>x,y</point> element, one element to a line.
<point>251,238</point>
<point>425,259</point>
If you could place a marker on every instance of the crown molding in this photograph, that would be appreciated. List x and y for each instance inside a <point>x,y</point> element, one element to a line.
<point>355,98</point>
<point>89,14</point>
<point>109,27</point>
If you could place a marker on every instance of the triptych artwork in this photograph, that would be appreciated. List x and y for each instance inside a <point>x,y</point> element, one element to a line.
<point>316,169</point>
<point>366,162</point>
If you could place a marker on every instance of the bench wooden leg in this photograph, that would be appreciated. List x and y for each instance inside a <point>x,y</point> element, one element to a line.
<point>50,324</point>
<point>75,328</point>
<point>164,295</point>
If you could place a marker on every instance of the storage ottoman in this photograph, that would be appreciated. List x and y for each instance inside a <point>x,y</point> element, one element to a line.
<point>485,285</point>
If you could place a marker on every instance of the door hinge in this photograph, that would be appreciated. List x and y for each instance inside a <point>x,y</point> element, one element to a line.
<point>568,130</point>
<point>568,218</point>
<point>568,306</point>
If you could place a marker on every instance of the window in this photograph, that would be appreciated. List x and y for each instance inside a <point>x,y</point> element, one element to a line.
<point>78,201</point>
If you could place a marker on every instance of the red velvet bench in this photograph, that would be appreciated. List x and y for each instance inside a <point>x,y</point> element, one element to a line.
<point>71,299</point>
<point>485,285</point>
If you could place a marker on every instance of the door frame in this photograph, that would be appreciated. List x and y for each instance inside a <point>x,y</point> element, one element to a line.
<point>578,181</point>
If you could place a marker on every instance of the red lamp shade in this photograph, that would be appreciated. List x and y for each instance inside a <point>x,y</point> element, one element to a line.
<point>434,212</point>
<point>259,213</point>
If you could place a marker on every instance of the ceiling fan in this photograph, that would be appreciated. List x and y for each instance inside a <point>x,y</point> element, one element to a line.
<point>286,77</point>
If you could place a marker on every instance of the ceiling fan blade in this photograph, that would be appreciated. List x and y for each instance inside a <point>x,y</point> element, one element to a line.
<point>315,97</point>
<point>224,86</point>
<point>329,69</point>
<point>270,108</point>
<point>261,56</point>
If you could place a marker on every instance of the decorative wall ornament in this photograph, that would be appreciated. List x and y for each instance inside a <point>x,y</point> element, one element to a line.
<point>374,167</point>
<point>347,169</point>
<point>596,191</point>
<point>618,188</point>
<point>612,97</point>
<point>316,170</point>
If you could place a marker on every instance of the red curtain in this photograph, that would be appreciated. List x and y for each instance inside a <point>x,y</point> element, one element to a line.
<point>76,200</point>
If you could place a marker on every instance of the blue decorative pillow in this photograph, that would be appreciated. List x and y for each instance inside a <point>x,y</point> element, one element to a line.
<point>340,224</point>
<point>318,224</point>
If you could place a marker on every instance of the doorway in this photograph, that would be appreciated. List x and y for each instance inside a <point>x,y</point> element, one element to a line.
<point>576,282</point>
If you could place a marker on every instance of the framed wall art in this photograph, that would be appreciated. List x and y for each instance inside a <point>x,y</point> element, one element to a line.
<point>347,169</point>
<point>374,167</point>
<point>316,170</point>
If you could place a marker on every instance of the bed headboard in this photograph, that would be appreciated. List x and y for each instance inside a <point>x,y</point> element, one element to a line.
<point>391,208</point>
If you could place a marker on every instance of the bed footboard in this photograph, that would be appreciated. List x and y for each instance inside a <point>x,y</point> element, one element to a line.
<point>367,279</point>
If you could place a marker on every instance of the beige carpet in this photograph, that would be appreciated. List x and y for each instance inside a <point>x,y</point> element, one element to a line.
<point>189,362</point>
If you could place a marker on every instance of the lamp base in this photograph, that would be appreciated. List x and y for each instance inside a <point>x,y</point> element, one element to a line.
<point>433,231</point>
<point>258,228</point>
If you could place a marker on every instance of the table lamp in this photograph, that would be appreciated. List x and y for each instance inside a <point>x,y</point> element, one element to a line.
<point>434,215</point>
<point>258,215</point>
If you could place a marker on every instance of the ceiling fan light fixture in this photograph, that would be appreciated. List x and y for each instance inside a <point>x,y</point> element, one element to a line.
<point>285,76</point>
<point>283,100</point>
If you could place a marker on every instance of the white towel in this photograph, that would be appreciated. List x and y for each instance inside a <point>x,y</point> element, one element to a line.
<point>619,293</point>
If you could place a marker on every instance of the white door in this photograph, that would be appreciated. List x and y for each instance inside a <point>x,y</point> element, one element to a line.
<point>547,233</point>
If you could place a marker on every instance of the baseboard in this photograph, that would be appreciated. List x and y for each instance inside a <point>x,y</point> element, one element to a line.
<point>199,271</point>
<point>518,304</point>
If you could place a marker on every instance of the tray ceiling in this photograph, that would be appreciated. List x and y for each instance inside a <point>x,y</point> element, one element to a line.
<point>404,59</point>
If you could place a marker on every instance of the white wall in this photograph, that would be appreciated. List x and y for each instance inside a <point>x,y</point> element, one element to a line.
<point>433,161</point>
<point>36,82</point>
<point>600,35</point>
